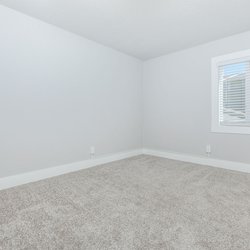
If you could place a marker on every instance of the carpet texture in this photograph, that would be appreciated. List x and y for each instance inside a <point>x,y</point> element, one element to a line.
<point>142,202</point>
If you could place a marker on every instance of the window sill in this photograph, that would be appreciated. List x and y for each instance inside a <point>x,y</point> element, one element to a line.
<point>230,129</point>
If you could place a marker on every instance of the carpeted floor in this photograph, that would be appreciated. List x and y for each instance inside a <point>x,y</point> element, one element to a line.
<point>141,203</point>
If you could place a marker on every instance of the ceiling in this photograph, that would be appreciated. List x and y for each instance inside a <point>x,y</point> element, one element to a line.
<point>143,28</point>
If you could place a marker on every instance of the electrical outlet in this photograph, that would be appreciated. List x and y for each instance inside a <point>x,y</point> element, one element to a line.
<point>208,150</point>
<point>92,151</point>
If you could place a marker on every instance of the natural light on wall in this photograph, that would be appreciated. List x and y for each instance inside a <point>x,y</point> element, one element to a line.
<point>231,93</point>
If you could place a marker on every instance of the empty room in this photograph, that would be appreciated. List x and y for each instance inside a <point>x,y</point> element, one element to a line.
<point>125,124</point>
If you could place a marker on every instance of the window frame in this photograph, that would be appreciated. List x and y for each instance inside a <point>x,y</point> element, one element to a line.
<point>217,127</point>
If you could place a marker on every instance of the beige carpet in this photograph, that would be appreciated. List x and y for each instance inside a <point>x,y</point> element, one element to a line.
<point>140,203</point>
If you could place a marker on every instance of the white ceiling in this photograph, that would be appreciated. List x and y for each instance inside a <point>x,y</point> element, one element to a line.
<point>143,28</point>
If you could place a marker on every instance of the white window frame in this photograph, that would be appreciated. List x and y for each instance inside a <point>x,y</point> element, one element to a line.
<point>216,62</point>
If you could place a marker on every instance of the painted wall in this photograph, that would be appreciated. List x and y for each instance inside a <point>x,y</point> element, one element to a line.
<point>61,94</point>
<point>177,102</point>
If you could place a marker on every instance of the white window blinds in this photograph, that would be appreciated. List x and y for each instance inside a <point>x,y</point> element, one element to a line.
<point>234,94</point>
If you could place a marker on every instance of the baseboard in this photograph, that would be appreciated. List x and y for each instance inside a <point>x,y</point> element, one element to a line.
<point>236,166</point>
<point>20,179</point>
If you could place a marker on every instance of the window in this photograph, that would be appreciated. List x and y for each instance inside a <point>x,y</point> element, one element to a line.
<point>231,93</point>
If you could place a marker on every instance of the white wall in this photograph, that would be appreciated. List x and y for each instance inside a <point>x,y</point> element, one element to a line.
<point>61,94</point>
<point>177,102</point>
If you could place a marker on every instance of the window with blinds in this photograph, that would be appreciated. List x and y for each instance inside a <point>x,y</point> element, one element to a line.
<point>234,96</point>
<point>231,93</point>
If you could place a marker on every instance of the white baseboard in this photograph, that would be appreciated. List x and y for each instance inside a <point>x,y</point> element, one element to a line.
<point>236,166</point>
<point>16,180</point>
<point>20,179</point>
